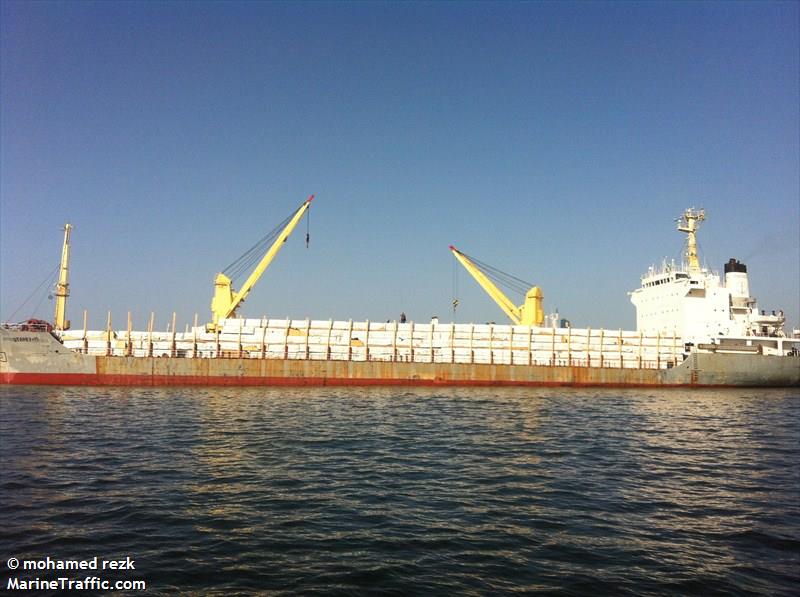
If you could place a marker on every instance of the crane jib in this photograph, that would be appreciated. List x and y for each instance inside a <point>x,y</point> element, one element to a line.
<point>257,258</point>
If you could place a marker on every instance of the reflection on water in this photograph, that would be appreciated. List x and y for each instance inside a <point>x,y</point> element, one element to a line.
<point>465,490</point>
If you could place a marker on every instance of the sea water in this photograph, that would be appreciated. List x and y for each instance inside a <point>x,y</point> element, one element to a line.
<point>401,492</point>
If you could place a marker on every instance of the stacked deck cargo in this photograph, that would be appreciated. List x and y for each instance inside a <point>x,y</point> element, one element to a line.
<point>391,341</point>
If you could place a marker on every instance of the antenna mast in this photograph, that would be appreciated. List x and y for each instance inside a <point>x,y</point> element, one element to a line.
<point>689,222</point>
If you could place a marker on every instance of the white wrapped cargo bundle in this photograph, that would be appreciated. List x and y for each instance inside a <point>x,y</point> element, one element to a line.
<point>410,342</point>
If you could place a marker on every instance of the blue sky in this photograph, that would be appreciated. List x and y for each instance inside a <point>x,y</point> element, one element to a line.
<point>556,141</point>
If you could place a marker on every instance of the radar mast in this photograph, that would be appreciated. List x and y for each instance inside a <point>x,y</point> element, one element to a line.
<point>689,222</point>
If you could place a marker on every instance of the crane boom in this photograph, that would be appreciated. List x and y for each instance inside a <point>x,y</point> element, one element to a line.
<point>226,300</point>
<point>529,313</point>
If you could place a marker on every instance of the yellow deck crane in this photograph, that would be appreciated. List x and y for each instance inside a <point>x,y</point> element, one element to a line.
<point>226,300</point>
<point>528,313</point>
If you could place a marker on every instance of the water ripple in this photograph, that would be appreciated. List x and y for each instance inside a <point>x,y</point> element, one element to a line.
<point>226,491</point>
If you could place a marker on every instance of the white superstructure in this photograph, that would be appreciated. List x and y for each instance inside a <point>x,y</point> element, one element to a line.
<point>697,305</point>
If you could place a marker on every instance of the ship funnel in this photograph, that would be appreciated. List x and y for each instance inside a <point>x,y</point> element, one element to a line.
<point>736,279</point>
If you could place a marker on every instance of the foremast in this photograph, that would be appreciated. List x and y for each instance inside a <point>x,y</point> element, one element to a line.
<point>62,287</point>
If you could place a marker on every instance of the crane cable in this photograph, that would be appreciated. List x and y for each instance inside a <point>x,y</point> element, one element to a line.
<point>500,277</point>
<point>455,288</point>
<point>247,260</point>
<point>50,276</point>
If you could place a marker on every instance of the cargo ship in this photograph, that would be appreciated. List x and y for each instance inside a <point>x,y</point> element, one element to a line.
<point>695,328</point>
